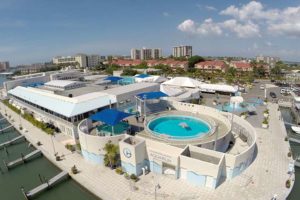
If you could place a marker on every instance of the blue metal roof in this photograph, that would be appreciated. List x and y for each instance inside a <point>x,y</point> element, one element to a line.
<point>110,116</point>
<point>142,76</point>
<point>151,95</point>
<point>113,78</point>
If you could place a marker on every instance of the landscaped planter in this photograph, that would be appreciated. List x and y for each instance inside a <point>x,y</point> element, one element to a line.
<point>265,125</point>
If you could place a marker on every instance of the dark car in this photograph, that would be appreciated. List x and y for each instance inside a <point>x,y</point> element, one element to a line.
<point>273,95</point>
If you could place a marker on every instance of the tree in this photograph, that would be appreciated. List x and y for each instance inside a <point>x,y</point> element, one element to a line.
<point>195,59</point>
<point>277,69</point>
<point>129,72</point>
<point>111,157</point>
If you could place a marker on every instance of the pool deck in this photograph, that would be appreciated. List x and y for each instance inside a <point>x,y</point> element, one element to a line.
<point>265,177</point>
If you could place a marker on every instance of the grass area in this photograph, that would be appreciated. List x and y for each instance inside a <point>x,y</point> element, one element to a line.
<point>30,118</point>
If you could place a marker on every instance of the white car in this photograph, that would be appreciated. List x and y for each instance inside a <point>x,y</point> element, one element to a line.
<point>282,91</point>
<point>262,87</point>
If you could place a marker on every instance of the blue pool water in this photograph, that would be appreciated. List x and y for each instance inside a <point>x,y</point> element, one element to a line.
<point>173,127</point>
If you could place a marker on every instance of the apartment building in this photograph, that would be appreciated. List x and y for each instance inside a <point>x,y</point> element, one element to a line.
<point>182,51</point>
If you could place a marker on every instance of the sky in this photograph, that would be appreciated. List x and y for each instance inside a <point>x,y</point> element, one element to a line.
<point>36,30</point>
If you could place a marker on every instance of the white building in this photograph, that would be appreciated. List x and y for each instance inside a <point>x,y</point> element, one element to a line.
<point>271,61</point>
<point>146,54</point>
<point>93,60</point>
<point>135,54</point>
<point>182,51</point>
<point>80,59</point>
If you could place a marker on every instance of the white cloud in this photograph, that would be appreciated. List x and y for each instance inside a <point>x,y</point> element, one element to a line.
<point>211,8</point>
<point>187,26</point>
<point>249,20</point>
<point>166,14</point>
<point>246,30</point>
<point>208,27</point>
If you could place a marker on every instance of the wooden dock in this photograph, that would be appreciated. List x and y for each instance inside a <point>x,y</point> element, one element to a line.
<point>53,181</point>
<point>12,141</point>
<point>294,140</point>
<point>1,131</point>
<point>23,159</point>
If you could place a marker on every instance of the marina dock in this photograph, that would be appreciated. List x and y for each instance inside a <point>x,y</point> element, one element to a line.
<point>23,159</point>
<point>53,181</point>
<point>13,141</point>
<point>1,131</point>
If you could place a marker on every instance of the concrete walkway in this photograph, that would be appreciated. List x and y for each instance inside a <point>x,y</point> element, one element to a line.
<point>264,178</point>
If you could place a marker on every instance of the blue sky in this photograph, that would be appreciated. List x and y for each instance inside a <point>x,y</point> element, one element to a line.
<point>36,30</point>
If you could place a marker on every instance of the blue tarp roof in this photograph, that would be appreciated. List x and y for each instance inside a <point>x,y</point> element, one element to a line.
<point>113,78</point>
<point>142,76</point>
<point>110,116</point>
<point>151,95</point>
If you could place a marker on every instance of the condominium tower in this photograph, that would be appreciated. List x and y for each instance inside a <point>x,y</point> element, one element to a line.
<point>182,51</point>
<point>146,54</point>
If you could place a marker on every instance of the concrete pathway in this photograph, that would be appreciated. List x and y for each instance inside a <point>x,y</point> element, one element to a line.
<point>265,177</point>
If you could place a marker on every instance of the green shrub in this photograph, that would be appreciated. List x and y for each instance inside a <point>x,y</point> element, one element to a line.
<point>266,111</point>
<point>265,121</point>
<point>70,147</point>
<point>119,170</point>
<point>288,183</point>
<point>126,175</point>
<point>134,177</point>
<point>289,154</point>
<point>74,170</point>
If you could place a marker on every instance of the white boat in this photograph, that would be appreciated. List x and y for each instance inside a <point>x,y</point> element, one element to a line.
<point>296,129</point>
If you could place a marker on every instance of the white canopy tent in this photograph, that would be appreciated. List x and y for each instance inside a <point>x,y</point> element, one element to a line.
<point>183,82</point>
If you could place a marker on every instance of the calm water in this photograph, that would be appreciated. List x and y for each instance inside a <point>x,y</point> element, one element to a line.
<point>179,127</point>
<point>286,114</point>
<point>27,175</point>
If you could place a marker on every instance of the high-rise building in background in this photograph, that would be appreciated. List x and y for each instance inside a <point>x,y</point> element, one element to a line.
<point>182,51</point>
<point>93,60</point>
<point>271,61</point>
<point>135,54</point>
<point>4,66</point>
<point>80,59</point>
<point>146,54</point>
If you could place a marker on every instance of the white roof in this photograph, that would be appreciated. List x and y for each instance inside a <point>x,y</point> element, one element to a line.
<point>64,105</point>
<point>95,77</point>
<point>130,88</point>
<point>61,83</point>
<point>183,82</point>
<point>152,79</point>
<point>236,99</point>
<point>218,87</point>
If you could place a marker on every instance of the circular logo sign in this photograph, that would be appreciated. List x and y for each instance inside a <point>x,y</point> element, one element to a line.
<point>127,153</point>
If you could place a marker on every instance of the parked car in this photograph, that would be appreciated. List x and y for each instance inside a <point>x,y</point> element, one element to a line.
<point>262,87</point>
<point>273,95</point>
<point>282,91</point>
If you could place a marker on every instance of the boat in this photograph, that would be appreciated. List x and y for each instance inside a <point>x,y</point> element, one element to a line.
<point>296,129</point>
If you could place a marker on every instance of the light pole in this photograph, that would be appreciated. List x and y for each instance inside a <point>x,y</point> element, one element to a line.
<point>232,114</point>
<point>52,135</point>
<point>145,112</point>
<point>157,187</point>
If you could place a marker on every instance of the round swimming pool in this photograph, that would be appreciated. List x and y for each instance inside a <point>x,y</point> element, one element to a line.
<point>179,127</point>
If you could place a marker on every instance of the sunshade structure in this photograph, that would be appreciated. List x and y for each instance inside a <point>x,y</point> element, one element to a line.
<point>151,95</point>
<point>236,99</point>
<point>142,76</point>
<point>113,78</point>
<point>183,82</point>
<point>110,116</point>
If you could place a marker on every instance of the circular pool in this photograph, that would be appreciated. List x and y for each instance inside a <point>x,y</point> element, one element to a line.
<point>179,127</point>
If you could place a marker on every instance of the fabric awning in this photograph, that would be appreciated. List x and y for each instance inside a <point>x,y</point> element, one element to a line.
<point>113,78</point>
<point>151,95</point>
<point>110,116</point>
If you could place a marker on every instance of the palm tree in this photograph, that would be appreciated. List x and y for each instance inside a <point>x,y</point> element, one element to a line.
<point>111,157</point>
